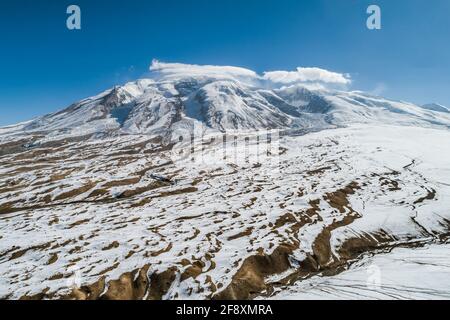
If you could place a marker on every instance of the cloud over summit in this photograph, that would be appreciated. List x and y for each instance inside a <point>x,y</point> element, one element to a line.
<point>269,78</point>
<point>307,75</point>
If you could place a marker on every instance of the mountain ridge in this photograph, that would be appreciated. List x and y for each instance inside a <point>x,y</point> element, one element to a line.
<point>221,100</point>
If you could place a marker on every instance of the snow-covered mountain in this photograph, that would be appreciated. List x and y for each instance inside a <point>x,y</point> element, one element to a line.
<point>223,99</point>
<point>436,107</point>
<point>94,205</point>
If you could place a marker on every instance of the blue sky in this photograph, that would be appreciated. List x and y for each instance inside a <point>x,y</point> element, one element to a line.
<point>45,67</point>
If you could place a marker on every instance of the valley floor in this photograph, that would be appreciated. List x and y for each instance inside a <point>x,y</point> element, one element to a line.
<point>128,218</point>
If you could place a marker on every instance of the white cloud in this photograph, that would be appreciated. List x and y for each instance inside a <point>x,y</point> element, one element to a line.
<point>180,69</point>
<point>306,76</point>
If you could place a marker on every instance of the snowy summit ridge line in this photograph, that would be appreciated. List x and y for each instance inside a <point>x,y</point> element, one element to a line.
<point>178,96</point>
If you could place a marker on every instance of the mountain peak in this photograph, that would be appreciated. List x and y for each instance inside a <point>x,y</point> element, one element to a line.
<point>227,98</point>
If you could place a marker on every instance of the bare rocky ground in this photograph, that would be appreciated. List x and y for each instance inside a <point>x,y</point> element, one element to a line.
<point>127,218</point>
